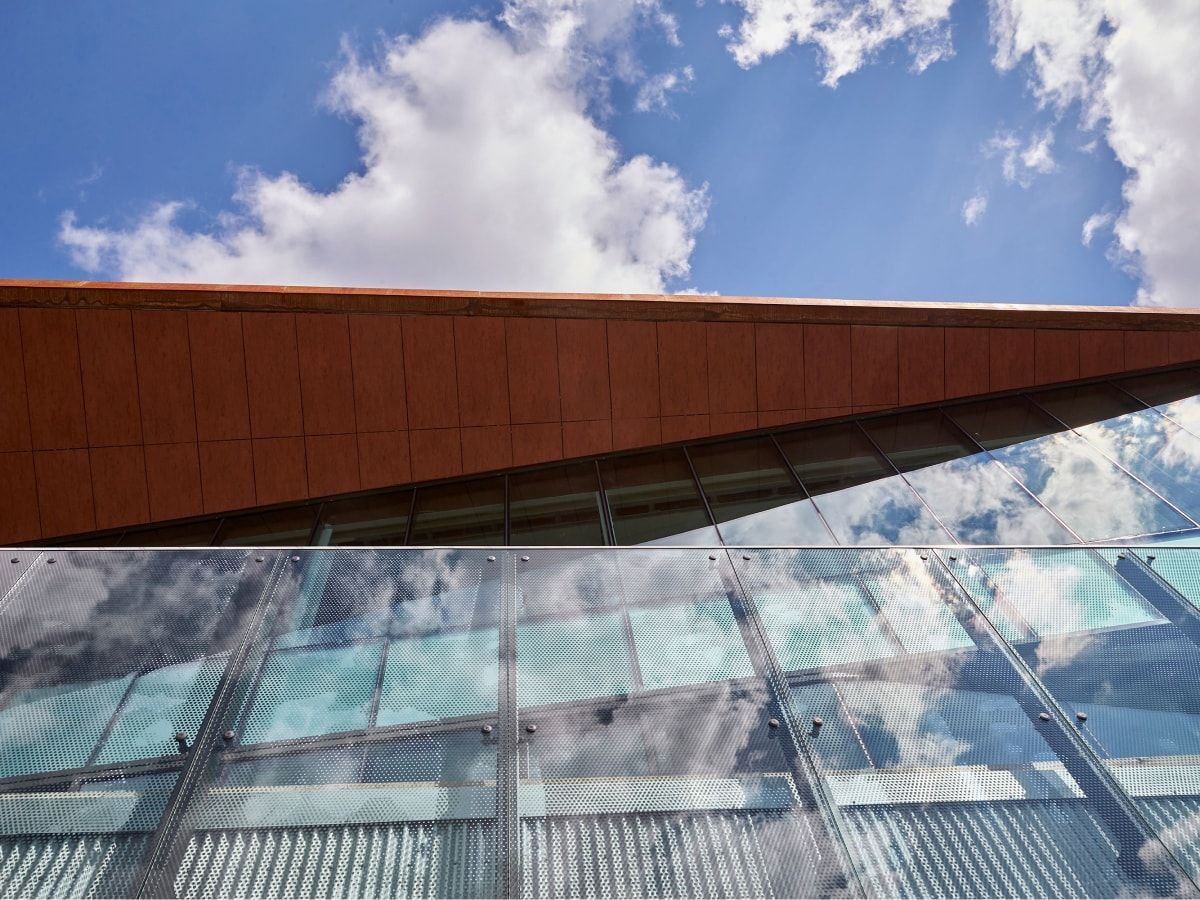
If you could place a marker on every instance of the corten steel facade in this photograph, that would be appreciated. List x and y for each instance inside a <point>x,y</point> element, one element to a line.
<point>128,404</point>
<point>896,702</point>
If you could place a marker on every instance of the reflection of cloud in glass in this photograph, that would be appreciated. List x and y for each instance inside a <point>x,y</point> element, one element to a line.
<point>821,623</point>
<point>795,523</point>
<point>1095,498</point>
<point>689,643</point>
<point>980,504</point>
<point>879,512</point>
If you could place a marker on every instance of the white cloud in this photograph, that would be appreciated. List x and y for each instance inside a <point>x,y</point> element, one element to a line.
<point>654,93</point>
<point>847,33</point>
<point>1021,163</point>
<point>481,168</point>
<point>1130,64</point>
<point>974,208</point>
<point>1094,223</point>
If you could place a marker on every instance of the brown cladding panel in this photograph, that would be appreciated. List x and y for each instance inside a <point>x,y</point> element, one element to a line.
<point>586,438</point>
<point>682,428</point>
<point>967,356</point>
<point>629,433</point>
<point>922,365</point>
<point>486,447</point>
<point>1013,358</point>
<point>633,368</point>
<point>1184,346</point>
<point>14,409</point>
<point>779,364</point>
<point>827,366</point>
<point>1056,354</point>
<point>164,376</point>
<point>874,367</point>
<point>682,368</point>
<point>272,375</point>
<point>110,381</point>
<point>531,350</point>
<point>279,470</point>
<point>53,379</point>
<point>430,382</point>
<point>435,453</point>
<point>482,371</point>
<point>18,486</point>
<point>332,464</point>
<point>582,373</point>
<point>377,354</point>
<point>383,458</point>
<point>536,444</point>
<point>728,423</point>
<point>1101,353</point>
<point>64,486</point>
<point>227,475</point>
<point>173,481</point>
<point>219,376</point>
<point>326,376</point>
<point>1144,349</point>
<point>119,486</point>
<point>731,367</point>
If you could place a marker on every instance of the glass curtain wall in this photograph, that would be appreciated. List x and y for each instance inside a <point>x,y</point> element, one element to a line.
<point>682,722</point>
<point>1093,463</point>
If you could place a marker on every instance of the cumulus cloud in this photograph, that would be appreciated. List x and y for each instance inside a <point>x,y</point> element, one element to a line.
<point>482,167</point>
<point>974,208</point>
<point>847,33</point>
<point>654,93</point>
<point>1021,160</point>
<point>1130,65</point>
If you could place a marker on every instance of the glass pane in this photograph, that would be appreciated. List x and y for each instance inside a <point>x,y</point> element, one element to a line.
<point>677,786</point>
<point>13,565</point>
<point>1095,498</point>
<point>1147,444</point>
<point>969,492</point>
<point>555,506</point>
<point>374,521</point>
<point>107,655</point>
<point>752,496</point>
<point>653,500</point>
<point>291,527</point>
<point>946,779</point>
<point>1175,394</point>
<point>190,534</point>
<point>1119,656</point>
<point>380,779</point>
<point>460,514</point>
<point>861,496</point>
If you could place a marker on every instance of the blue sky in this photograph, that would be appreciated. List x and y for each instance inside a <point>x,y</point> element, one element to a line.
<point>769,182</point>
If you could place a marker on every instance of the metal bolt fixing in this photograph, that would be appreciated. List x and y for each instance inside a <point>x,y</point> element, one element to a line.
<point>182,741</point>
<point>772,723</point>
<point>1081,716</point>
<point>1044,716</point>
<point>486,729</point>
<point>228,735</point>
<point>524,559</point>
<point>531,728</point>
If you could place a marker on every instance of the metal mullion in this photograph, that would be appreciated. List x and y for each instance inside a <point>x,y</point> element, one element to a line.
<point>158,860</point>
<point>787,465</point>
<point>805,772</point>
<point>607,527</point>
<point>1080,760</point>
<point>507,511</point>
<point>318,509</point>
<point>412,511</point>
<point>1159,593</point>
<point>1003,468</point>
<point>1155,407</point>
<point>887,461</point>
<point>712,520</point>
<point>129,769</point>
<point>377,694</point>
<point>21,579</point>
<point>508,764</point>
<point>1118,465</point>
<point>112,720</point>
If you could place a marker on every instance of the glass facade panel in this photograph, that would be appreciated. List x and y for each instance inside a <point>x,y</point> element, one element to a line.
<point>1090,494</point>
<point>274,528</point>
<point>189,534</point>
<point>645,789</point>
<point>966,488</point>
<point>371,521</point>
<point>109,662</point>
<point>1119,655</point>
<point>1175,394</point>
<point>753,497</point>
<point>560,506</point>
<point>947,778</point>
<point>653,500</point>
<point>1145,443</point>
<point>461,514</point>
<point>860,495</point>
